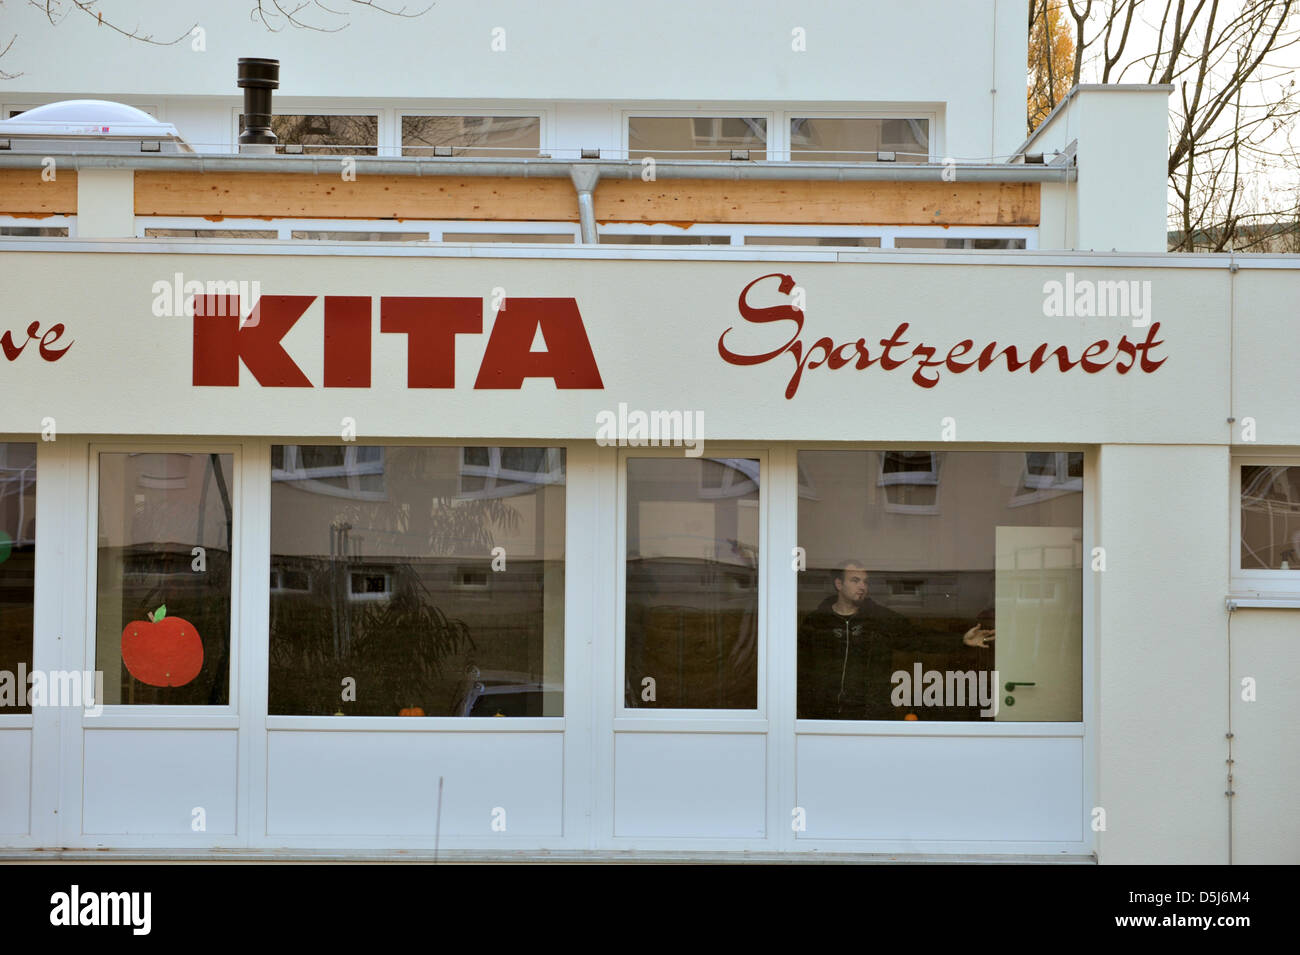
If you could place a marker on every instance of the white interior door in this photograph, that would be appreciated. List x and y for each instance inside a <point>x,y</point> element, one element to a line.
<point>1039,599</point>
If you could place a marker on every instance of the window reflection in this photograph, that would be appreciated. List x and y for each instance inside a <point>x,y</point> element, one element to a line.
<point>696,137</point>
<point>692,583</point>
<point>990,582</point>
<point>417,581</point>
<point>17,561</point>
<point>1270,517</point>
<point>165,525</point>
<point>824,139</point>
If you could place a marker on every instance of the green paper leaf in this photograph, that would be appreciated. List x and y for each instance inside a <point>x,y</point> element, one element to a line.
<point>160,613</point>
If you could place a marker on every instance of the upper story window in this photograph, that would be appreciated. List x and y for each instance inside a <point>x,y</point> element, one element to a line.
<point>474,136</point>
<point>823,139</point>
<point>695,137</point>
<point>336,134</point>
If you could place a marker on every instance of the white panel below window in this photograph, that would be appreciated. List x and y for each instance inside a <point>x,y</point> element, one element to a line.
<point>150,781</point>
<point>368,783</point>
<point>15,781</point>
<point>941,788</point>
<point>690,784</point>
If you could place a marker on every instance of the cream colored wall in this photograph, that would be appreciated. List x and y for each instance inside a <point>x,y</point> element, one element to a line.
<point>1162,688</point>
<point>1266,741</point>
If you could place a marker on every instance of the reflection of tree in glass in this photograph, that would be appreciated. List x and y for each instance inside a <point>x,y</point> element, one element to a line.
<point>396,647</point>
<point>396,653</point>
<point>334,135</point>
<point>458,526</point>
<point>471,135</point>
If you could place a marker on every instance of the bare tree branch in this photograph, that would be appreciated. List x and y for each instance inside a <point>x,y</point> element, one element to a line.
<point>56,13</point>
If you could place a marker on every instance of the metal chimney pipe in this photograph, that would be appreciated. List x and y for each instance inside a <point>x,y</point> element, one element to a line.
<point>257,77</point>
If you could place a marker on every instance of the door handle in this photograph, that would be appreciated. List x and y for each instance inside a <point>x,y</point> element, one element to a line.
<point>1012,686</point>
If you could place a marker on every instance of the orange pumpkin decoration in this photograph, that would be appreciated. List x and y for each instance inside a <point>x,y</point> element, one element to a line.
<point>911,716</point>
<point>411,711</point>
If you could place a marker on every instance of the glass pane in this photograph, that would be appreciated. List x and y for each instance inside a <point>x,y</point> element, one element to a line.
<point>316,235</point>
<point>17,565</point>
<point>964,243</point>
<point>472,135</point>
<point>555,238</point>
<point>692,583</point>
<point>925,607</point>
<point>859,140</point>
<point>34,231</point>
<point>325,135</point>
<point>861,242</point>
<point>163,594</point>
<point>695,137</point>
<point>210,234</point>
<point>420,599</point>
<point>1270,517</point>
<point>617,239</point>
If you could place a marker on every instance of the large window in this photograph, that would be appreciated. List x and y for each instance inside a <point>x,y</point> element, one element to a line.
<point>473,136</point>
<point>325,134</point>
<point>17,563</point>
<point>162,619</point>
<point>418,581</point>
<point>692,583</point>
<point>823,139</point>
<point>941,586</point>
<point>695,137</point>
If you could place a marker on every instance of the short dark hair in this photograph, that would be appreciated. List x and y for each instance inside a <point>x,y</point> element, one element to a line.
<point>838,572</point>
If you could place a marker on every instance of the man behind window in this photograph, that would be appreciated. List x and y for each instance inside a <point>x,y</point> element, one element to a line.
<point>846,649</point>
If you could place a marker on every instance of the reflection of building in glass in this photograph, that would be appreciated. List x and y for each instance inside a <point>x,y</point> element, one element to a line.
<point>398,582</point>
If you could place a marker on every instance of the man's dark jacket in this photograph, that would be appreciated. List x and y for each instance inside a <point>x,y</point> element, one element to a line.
<point>845,663</point>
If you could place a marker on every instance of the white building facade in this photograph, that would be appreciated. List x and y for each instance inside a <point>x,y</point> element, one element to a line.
<point>913,503</point>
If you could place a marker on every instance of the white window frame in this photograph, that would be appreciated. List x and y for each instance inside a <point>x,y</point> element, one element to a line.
<point>364,596</point>
<point>574,661</point>
<point>689,112</point>
<point>886,234</point>
<point>284,228</point>
<point>926,112</point>
<point>500,481</point>
<point>289,108</point>
<point>1285,583</point>
<point>22,477</point>
<point>1045,487</point>
<point>145,715</point>
<point>155,111</point>
<point>928,478</point>
<point>44,222</point>
<point>632,719</point>
<point>308,479</point>
<point>544,115</point>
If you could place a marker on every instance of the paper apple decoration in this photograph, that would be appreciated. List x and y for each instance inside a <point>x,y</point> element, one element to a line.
<point>163,651</point>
